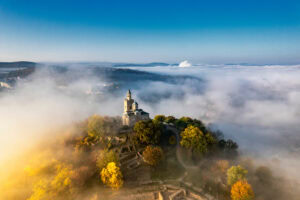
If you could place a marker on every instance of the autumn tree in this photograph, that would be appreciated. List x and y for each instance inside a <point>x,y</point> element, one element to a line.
<point>104,157</point>
<point>159,118</point>
<point>40,190</point>
<point>194,139</point>
<point>61,183</point>
<point>53,188</point>
<point>147,132</point>
<point>112,176</point>
<point>236,173</point>
<point>99,126</point>
<point>242,190</point>
<point>152,155</point>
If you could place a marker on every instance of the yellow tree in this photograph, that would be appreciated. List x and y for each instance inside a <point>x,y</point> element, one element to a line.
<point>193,138</point>
<point>112,176</point>
<point>242,190</point>
<point>56,187</point>
<point>236,173</point>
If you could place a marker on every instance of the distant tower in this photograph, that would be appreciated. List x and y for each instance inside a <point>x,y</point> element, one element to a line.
<point>128,94</point>
<point>132,113</point>
<point>128,102</point>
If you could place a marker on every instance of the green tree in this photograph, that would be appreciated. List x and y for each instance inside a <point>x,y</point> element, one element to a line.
<point>104,157</point>
<point>148,132</point>
<point>99,126</point>
<point>159,118</point>
<point>152,155</point>
<point>112,176</point>
<point>95,126</point>
<point>183,122</point>
<point>170,119</point>
<point>236,173</point>
<point>193,138</point>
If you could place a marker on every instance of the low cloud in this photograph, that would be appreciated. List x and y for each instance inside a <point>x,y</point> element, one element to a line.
<point>258,106</point>
<point>185,63</point>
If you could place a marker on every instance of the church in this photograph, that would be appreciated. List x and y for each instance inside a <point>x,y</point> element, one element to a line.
<point>132,113</point>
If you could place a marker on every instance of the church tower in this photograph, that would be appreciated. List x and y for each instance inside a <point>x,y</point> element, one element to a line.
<point>128,94</point>
<point>132,113</point>
<point>128,102</point>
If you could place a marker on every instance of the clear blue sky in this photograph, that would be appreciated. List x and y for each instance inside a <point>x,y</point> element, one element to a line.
<point>202,31</point>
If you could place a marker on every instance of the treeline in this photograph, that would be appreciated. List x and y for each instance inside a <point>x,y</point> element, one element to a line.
<point>191,134</point>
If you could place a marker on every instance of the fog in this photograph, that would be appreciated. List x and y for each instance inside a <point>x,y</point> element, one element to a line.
<point>257,106</point>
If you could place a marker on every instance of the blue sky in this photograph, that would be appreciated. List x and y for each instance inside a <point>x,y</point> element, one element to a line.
<point>210,31</point>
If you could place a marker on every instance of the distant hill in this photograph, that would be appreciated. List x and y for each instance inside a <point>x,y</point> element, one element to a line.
<point>141,65</point>
<point>19,64</point>
<point>16,69</point>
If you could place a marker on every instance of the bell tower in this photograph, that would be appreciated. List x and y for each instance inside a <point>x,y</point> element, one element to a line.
<point>128,102</point>
<point>128,95</point>
<point>132,113</point>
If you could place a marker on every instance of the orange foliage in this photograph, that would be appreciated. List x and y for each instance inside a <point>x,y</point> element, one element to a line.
<point>242,190</point>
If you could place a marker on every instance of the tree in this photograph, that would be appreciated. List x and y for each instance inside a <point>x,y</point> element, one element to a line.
<point>112,176</point>
<point>159,118</point>
<point>53,188</point>
<point>236,173</point>
<point>152,155</point>
<point>61,183</point>
<point>170,119</point>
<point>95,126</point>
<point>40,191</point>
<point>85,143</point>
<point>104,157</point>
<point>194,139</point>
<point>148,132</point>
<point>99,126</point>
<point>242,190</point>
<point>183,122</point>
